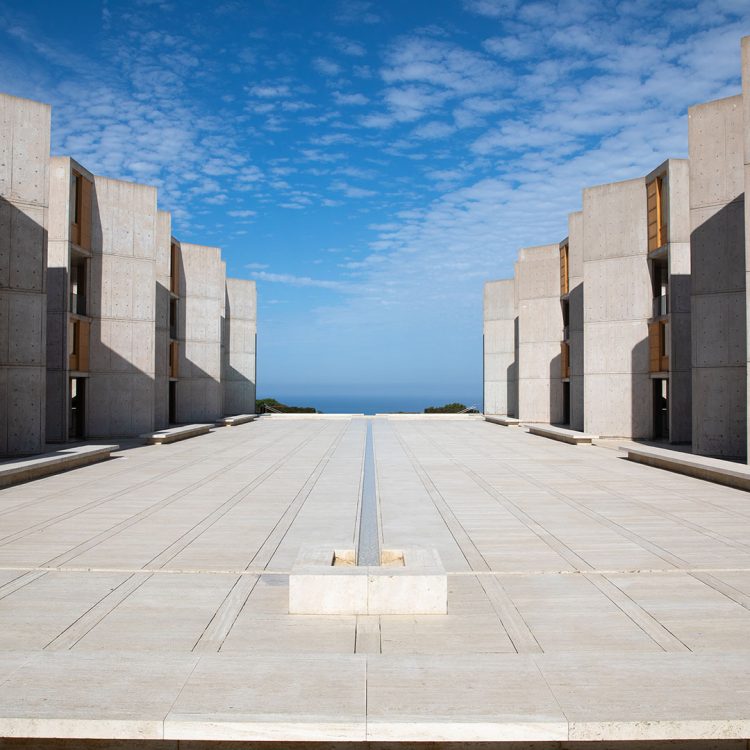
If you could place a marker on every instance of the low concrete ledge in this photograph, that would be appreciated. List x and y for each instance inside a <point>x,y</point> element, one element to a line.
<point>236,419</point>
<point>701,467</point>
<point>564,435</point>
<point>173,434</point>
<point>35,467</point>
<point>502,419</point>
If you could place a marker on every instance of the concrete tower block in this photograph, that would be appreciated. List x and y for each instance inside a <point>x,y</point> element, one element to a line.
<point>540,397</point>
<point>500,379</point>
<point>24,184</point>
<point>718,278</point>
<point>161,313</point>
<point>240,329</point>
<point>121,397</point>
<point>617,306</point>
<point>202,298</point>
<point>575,317</point>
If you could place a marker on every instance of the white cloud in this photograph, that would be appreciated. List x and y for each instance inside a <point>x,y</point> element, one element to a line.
<point>349,99</point>
<point>242,213</point>
<point>302,281</point>
<point>326,66</point>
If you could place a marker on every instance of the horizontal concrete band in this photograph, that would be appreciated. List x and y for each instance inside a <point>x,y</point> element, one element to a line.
<point>503,421</point>
<point>27,469</point>
<point>710,469</point>
<point>562,434</point>
<point>237,419</point>
<point>374,697</point>
<point>173,434</point>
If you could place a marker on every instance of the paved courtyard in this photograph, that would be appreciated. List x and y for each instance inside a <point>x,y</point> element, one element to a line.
<point>589,598</point>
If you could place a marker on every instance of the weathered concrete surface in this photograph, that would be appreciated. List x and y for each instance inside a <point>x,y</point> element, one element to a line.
<point>540,397</point>
<point>24,182</point>
<point>717,250</point>
<point>500,369</point>
<point>240,333</point>
<point>161,315</point>
<point>201,309</point>
<point>575,317</point>
<point>617,306</point>
<point>746,150</point>
<point>588,597</point>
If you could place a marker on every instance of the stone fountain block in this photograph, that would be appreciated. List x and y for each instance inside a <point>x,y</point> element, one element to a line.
<point>411,581</point>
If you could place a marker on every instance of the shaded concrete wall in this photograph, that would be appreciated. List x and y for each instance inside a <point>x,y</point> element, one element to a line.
<point>240,328</point>
<point>539,335</point>
<point>617,306</point>
<point>161,314</point>
<point>717,260</point>
<point>122,305</point>
<point>575,317</point>
<point>678,246</point>
<point>202,298</point>
<point>61,198</point>
<point>500,380</point>
<point>24,158</point>
<point>746,150</point>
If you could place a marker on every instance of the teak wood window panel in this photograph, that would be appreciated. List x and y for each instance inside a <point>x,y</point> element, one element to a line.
<point>564,270</point>
<point>174,266</point>
<point>657,214</point>
<point>79,333</point>
<point>564,360</point>
<point>174,352</point>
<point>658,346</point>
<point>80,211</point>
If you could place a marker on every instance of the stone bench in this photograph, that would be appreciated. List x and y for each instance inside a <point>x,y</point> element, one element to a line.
<point>563,434</point>
<point>503,420</point>
<point>701,467</point>
<point>236,420</point>
<point>35,467</point>
<point>173,434</point>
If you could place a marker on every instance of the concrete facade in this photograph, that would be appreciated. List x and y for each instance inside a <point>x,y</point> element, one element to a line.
<point>718,278</point>
<point>540,397</point>
<point>500,369</point>
<point>575,303</point>
<point>746,149</point>
<point>617,387</point>
<point>162,302</point>
<point>24,155</point>
<point>240,334</point>
<point>202,299</point>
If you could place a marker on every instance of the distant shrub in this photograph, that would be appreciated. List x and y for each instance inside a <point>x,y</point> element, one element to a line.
<point>454,408</point>
<point>274,405</point>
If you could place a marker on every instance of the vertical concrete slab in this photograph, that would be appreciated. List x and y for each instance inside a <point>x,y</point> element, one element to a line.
<point>161,313</point>
<point>540,397</point>
<point>500,381</point>
<point>121,392</point>
<point>746,150</point>
<point>24,184</point>
<point>240,329</point>
<point>616,309</point>
<point>202,298</point>
<point>575,317</point>
<point>718,278</point>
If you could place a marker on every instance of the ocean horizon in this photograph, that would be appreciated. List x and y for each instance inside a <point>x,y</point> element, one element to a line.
<point>366,404</point>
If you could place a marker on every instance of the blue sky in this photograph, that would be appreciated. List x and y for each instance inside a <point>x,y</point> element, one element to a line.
<point>371,164</point>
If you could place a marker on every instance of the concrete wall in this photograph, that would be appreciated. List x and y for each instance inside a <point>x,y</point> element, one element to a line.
<point>746,150</point>
<point>161,314</point>
<point>202,285</point>
<point>120,396</point>
<point>617,306</point>
<point>540,397</point>
<point>575,317</point>
<point>240,328</point>
<point>500,380</point>
<point>717,260</point>
<point>24,157</point>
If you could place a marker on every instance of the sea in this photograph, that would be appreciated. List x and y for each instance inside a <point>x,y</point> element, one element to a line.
<point>369,404</point>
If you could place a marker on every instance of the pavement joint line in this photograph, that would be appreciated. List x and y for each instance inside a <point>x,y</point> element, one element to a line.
<point>510,619</point>
<point>41,525</point>
<point>107,534</point>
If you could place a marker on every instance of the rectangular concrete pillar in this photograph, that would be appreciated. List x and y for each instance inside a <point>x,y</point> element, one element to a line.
<point>120,388</point>
<point>500,369</point>
<point>718,274</point>
<point>575,317</point>
<point>161,311</point>
<point>202,300</point>
<point>746,150</point>
<point>617,307</point>
<point>240,329</point>
<point>24,158</point>
<point>540,397</point>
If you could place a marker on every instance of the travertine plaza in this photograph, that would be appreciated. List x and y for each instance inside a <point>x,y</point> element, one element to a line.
<point>635,324</point>
<point>397,580</point>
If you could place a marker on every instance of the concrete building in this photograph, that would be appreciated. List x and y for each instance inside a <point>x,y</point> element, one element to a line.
<point>164,317</point>
<point>572,300</point>
<point>239,336</point>
<point>24,155</point>
<point>540,391</point>
<point>718,277</point>
<point>500,369</point>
